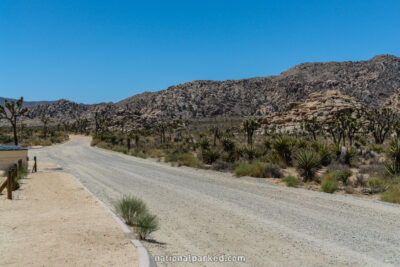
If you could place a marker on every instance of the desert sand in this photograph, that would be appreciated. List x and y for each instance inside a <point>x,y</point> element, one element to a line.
<point>53,221</point>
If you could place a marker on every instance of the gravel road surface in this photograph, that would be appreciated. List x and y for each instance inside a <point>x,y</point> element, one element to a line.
<point>210,213</point>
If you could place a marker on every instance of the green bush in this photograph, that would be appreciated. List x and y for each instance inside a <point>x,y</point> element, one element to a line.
<point>377,184</point>
<point>341,175</point>
<point>129,208</point>
<point>22,173</point>
<point>307,162</point>
<point>283,146</point>
<point>146,224</point>
<point>139,154</point>
<point>376,148</point>
<point>392,194</point>
<point>210,155</point>
<point>258,169</point>
<point>228,144</point>
<point>183,159</point>
<point>120,149</point>
<point>291,181</point>
<point>329,186</point>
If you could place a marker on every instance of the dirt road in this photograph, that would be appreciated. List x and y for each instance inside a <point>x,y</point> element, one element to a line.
<point>209,213</point>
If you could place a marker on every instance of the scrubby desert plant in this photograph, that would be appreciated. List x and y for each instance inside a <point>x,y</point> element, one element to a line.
<point>341,175</point>
<point>283,146</point>
<point>138,154</point>
<point>146,224</point>
<point>227,144</point>
<point>258,169</point>
<point>291,181</point>
<point>329,186</point>
<point>377,184</point>
<point>307,162</point>
<point>393,166</point>
<point>392,194</point>
<point>130,208</point>
<point>210,155</point>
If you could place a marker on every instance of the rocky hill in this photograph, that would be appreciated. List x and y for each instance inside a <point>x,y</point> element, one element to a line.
<point>26,103</point>
<point>371,82</point>
<point>322,106</point>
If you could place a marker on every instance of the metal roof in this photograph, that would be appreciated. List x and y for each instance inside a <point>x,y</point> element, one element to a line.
<point>11,148</point>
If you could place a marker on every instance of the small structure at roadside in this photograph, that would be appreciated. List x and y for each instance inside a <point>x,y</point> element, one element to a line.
<point>10,154</point>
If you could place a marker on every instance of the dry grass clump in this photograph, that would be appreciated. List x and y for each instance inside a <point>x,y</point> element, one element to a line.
<point>258,169</point>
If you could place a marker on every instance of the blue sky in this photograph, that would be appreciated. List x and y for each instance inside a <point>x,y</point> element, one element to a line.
<point>94,51</point>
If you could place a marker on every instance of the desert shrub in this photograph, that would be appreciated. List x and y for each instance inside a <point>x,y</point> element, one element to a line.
<point>129,208</point>
<point>227,144</point>
<point>183,159</point>
<point>120,149</point>
<point>210,155</point>
<point>258,169</point>
<point>377,184</point>
<point>36,142</point>
<point>250,152</point>
<point>156,153</point>
<point>341,175</point>
<point>283,146</point>
<point>324,153</point>
<point>46,142</point>
<point>291,181</point>
<point>22,173</point>
<point>221,165</point>
<point>139,154</point>
<point>307,162</point>
<point>349,157</point>
<point>393,166</point>
<point>146,224</point>
<point>392,194</point>
<point>329,186</point>
<point>302,143</point>
<point>204,143</point>
<point>273,157</point>
<point>376,148</point>
<point>360,180</point>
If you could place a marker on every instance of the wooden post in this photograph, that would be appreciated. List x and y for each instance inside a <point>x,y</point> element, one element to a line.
<point>34,169</point>
<point>10,174</point>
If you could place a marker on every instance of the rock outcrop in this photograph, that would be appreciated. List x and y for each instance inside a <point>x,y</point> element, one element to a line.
<point>322,106</point>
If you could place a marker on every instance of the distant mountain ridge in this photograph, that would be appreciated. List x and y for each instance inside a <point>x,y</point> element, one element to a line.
<point>26,103</point>
<point>373,82</point>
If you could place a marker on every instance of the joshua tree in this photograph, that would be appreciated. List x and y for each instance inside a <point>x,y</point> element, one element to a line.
<point>380,123</point>
<point>250,126</point>
<point>99,124</point>
<point>11,111</point>
<point>161,128</point>
<point>312,126</point>
<point>45,120</point>
<point>216,134</point>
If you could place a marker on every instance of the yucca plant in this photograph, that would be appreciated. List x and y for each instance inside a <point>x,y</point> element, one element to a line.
<point>227,144</point>
<point>130,208</point>
<point>307,162</point>
<point>283,146</point>
<point>393,167</point>
<point>146,224</point>
<point>210,155</point>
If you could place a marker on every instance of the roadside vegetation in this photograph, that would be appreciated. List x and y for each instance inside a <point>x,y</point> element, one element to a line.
<point>135,214</point>
<point>346,155</point>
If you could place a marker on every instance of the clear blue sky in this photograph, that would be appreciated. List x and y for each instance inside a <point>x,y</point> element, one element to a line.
<point>93,51</point>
